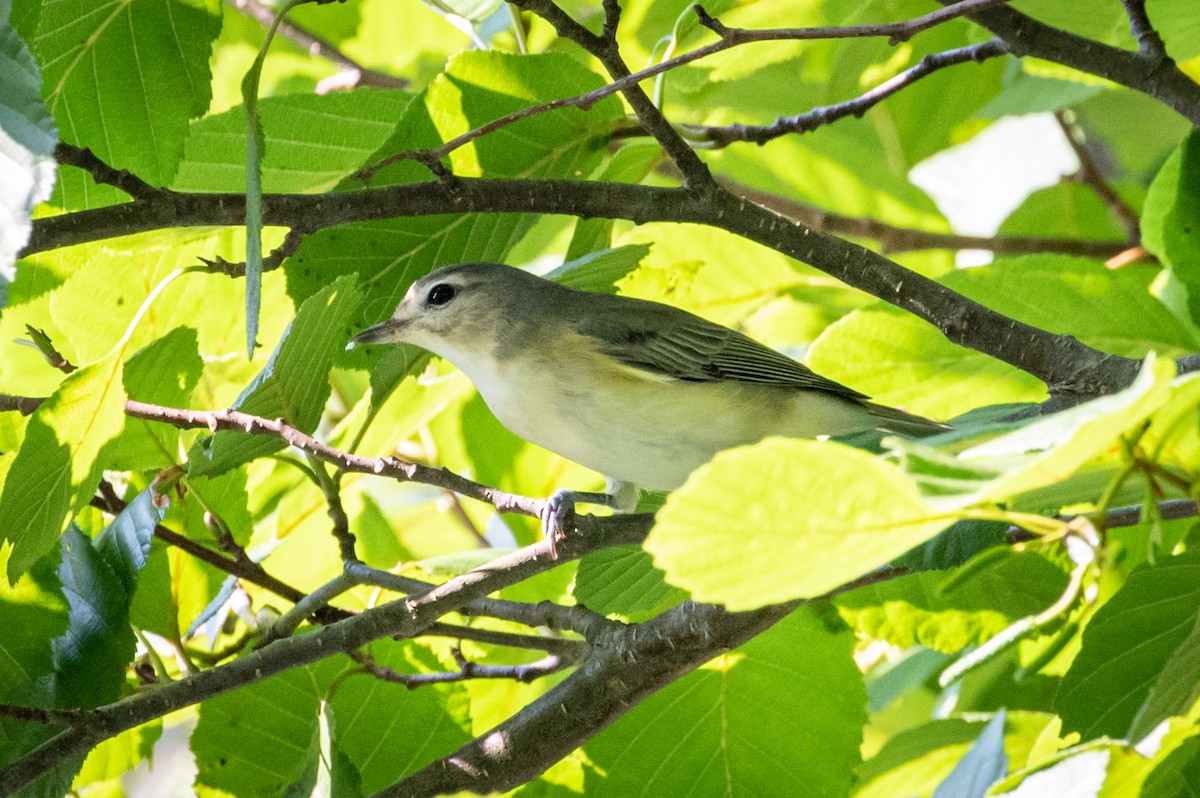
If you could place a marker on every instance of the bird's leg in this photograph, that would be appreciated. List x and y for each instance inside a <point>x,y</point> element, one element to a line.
<point>621,496</point>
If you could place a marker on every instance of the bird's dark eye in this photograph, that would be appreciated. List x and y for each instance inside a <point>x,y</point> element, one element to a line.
<point>440,294</point>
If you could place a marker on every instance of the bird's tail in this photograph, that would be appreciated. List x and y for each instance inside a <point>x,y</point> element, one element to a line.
<point>902,423</point>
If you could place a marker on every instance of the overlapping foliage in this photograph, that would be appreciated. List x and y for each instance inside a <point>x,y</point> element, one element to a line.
<point>1009,606</point>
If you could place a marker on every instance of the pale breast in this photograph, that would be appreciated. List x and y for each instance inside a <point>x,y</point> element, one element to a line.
<point>641,428</point>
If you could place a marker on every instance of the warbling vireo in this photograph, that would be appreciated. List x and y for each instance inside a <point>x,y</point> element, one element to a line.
<point>639,391</point>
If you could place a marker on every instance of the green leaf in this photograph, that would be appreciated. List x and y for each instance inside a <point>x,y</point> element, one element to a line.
<point>58,467</point>
<point>1175,690</point>
<point>91,657</point>
<point>477,88</point>
<point>916,760</point>
<point>1126,647</point>
<point>1080,774</point>
<point>947,612</point>
<point>601,270</point>
<point>1059,459</point>
<point>905,362</point>
<point>779,716</point>
<point>27,171</point>
<point>1176,21</point>
<point>125,543</point>
<point>630,164</point>
<point>786,519</point>
<point>162,373</point>
<point>1171,220</point>
<point>33,611</point>
<point>985,763</point>
<point>623,580</point>
<point>315,141</point>
<point>258,739</point>
<point>111,759</point>
<point>123,79</point>
<point>389,731</point>
<point>1024,93</point>
<point>154,608</point>
<point>1112,310</point>
<point>295,383</point>
<point>1069,210</point>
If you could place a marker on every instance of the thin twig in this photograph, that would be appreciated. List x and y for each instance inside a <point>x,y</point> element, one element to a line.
<point>83,158</point>
<point>315,45</point>
<point>896,32</point>
<point>340,523</point>
<point>551,663</point>
<point>233,420</point>
<point>723,136</point>
<point>567,27</point>
<point>291,243</point>
<point>1149,42</point>
<point>1090,175</point>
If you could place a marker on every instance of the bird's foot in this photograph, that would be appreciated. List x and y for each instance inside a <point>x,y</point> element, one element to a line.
<point>560,507</point>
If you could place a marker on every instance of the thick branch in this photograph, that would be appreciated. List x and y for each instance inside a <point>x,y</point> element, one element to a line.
<point>1063,363</point>
<point>624,668</point>
<point>629,666</point>
<point>402,618</point>
<point>1155,76</point>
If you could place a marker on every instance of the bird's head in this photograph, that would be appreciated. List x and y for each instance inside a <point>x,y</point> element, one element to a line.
<point>453,309</point>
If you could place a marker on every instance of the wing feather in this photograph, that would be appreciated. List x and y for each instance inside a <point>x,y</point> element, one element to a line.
<point>674,343</point>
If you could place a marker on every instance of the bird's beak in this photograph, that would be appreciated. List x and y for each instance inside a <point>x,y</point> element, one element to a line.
<point>385,332</point>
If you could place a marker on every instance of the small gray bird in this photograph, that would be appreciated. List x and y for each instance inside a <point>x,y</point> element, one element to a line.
<point>639,391</point>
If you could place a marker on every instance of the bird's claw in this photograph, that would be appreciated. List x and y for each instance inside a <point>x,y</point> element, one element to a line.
<point>559,507</point>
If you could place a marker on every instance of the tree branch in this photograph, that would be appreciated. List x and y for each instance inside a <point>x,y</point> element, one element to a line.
<point>1154,76</point>
<point>811,120</point>
<point>403,618</point>
<point>1149,42</point>
<point>315,45</point>
<point>1067,366</point>
<point>604,47</point>
<point>102,173</point>
<point>1090,175</point>
<point>627,666</point>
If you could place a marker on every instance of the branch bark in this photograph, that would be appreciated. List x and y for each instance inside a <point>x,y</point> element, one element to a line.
<point>1149,72</point>
<point>1068,367</point>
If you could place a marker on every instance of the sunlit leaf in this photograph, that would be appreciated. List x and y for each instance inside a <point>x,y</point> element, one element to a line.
<point>786,519</point>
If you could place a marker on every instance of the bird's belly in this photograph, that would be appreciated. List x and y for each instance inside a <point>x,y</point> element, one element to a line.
<point>651,432</point>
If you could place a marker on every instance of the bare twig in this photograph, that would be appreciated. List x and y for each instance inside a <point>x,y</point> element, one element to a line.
<point>1090,175</point>
<point>552,645</point>
<point>551,663</point>
<point>315,45</point>
<point>83,158</point>
<point>402,618</point>
<point>895,31</point>
<point>811,120</point>
<point>1149,42</point>
<point>331,489</point>
<point>624,80</point>
<point>234,420</point>
<point>291,243</point>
